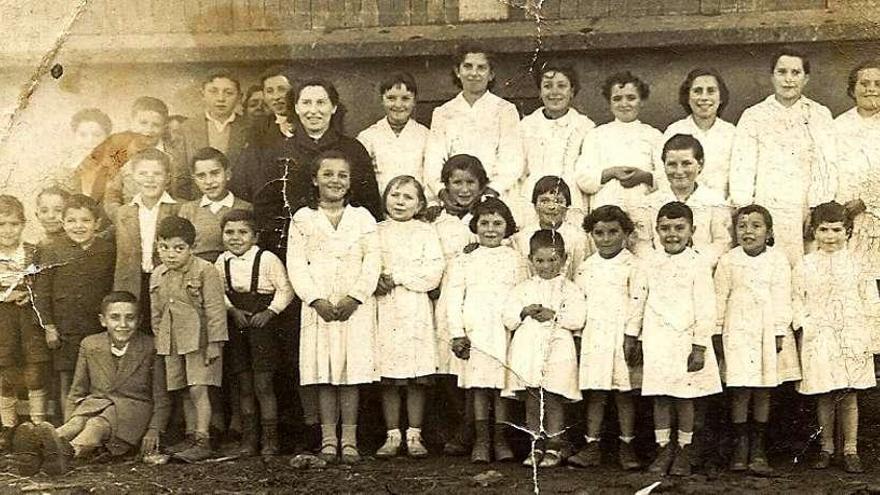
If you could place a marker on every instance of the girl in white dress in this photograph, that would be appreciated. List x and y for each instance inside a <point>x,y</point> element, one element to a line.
<point>836,355</point>
<point>334,263</point>
<point>412,265</point>
<point>553,134</point>
<point>543,312</point>
<point>552,198</point>
<point>479,282</point>
<point>753,297</point>
<point>607,278</point>
<point>674,315</point>
<point>396,143</point>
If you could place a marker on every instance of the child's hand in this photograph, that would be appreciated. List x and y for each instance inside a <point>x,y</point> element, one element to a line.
<point>718,347</point>
<point>212,352</point>
<point>697,358</point>
<point>150,442</point>
<point>53,340</point>
<point>529,311</point>
<point>779,343</point>
<point>346,307</point>
<point>385,285</point>
<point>544,314</point>
<point>461,347</point>
<point>262,318</point>
<point>326,310</point>
<point>434,294</point>
<point>631,351</point>
<point>240,317</point>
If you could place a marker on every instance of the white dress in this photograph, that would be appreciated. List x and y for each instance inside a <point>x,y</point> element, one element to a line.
<point>858,140</point>
<point>395,154</point>
<point>412,255</point>
<point>631,144</point>
<point>552,147</point>
<point>328,263</point>
<point>542,355</point>
<point>784,160</point>
<point>488,130</point>
<point>454,235</point>
<point>577,245</point>
<point>717,142</point>
<point>674,309</point>
<point>478,287</point>
<point>608,285</point>
<point>712,220</point>
<point>836,341</point>
<point>753,297</point>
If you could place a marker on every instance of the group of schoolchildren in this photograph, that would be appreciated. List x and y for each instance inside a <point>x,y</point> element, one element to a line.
<point>627,301</point>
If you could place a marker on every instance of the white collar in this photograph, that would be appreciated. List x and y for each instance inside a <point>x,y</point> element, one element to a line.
<point>248,255</point>
<point>227,200</point>
<point>165,198</point>
<point>220,123</point>
<point>119,352</point>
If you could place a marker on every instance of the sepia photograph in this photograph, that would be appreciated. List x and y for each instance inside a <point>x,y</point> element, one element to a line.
<point>440,246</point>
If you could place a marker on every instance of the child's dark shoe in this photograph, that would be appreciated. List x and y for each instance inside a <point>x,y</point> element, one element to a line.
<point>329,453</point>
<point>199,451</point>
<point>350,454</point>
<point>182,445</point>
<point>852,463</point>
<point>503,452</point>
<point>664,459</point>
<point>823,460</point>
<point>27,449</point>
<point>589,456</point>
<point>681,466</point>
<point>627,457</point>
<point>482,451</point>
<point>54,458</point>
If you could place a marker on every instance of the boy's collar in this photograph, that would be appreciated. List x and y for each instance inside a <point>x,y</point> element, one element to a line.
<point>251,253</point>
<point>164,198</point>
<point>227,200</point>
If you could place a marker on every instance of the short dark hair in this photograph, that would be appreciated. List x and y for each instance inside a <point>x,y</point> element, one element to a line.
<point>622,79</point>
<point>764,212</point>
<point>684,91</point>
<point>830,212</point>
<point>674,210</point>
<point>551,184</point>
<point>277,70</point>
<point>174,226</point>
<point>853,77</point>
<point>119,296</point>
<point>468,163</point>
<point>313,197</point>
<point>491,206</point>
<point>462,52</point>
<point>404,79</point>
<point>292,97</point>
<point>92,115</point>
<point>546,238</point>
<point>608,213</point>
<point>54,191</point>
<point>420,193</point>
<point>788,51</point>
<point>683,142</point>
<point>152,155</point>
<point>10,205</point>
<point>177,118</point>
<point>239,215</point>
<point>555,67</point>
<point>148,103</point>
<point>209,153</point>
<point>253,88</point>
<point>83,202</point>
<point>221,74</point>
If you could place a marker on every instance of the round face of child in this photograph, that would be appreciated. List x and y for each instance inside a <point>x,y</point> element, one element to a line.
<point>150,177</point>
<point>682,169</point>
<point>474,72</point>
<point>704,97</point>
<point>674,233</point>
<point>625,102</point>
<point>314,109</point>
<point>239,237</point>
<point>149,123</point>
<point>255,106</point>
<point>830,236</point>
<point>403,203</point>
<point>491,228</point>
<point>752,233</point>
<point>463,187</point>
<point>333,180</point>
<point>398,102</point>
<point>609,238</point>
<point>50,209</point>
<point>275,90</point>
<point>121,321</point>
<point>551,207</point>
<point>175,253</point>
<point>81,226</point>
<point>547,262</point>
<point>867,90</point>
<point>11,226</point>
<point>88,134</point>
<point>556,93</point>
<point>220,96</point>
<point>211,178</point>
<point>789,79</point>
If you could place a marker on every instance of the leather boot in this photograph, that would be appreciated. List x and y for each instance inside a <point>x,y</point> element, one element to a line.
<point>249,445</point>
<point>758,461</point>
<point>740,459</point>
<point>482,444</point>
<point>503,452</point>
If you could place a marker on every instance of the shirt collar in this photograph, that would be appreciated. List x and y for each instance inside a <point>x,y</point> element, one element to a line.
<point>248,255</point>
<point>220,123</point>
<point>227,200</point>
<point>119,352</point>
<point>165,198</point>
